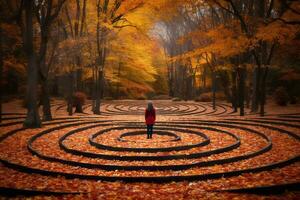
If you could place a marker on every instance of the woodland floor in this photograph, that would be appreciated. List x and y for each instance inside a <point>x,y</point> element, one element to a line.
<point>196,153</point>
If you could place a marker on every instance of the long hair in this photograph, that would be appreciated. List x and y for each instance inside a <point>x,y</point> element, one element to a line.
<point>150,106</point>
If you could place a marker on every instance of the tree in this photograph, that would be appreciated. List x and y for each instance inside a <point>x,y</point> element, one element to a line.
<point>1,69</point>
<point>231,31</point>
<point>32,119</point>
<point>110,15</point>
<point>11,61</point>
<point>46,13</point>
<point>267,12</point>
<point>75,31</point>
<point>132,63</point>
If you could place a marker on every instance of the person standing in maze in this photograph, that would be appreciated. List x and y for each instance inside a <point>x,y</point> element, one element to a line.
<point>150,119</point>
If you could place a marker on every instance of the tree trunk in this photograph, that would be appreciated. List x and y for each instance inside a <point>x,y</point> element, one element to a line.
<point>176,82</point>
<point>193,87</point>
<point>94,88</point>
<point>256,89</point>
<point>1,70</point>
<point>45,22</point>
<point>47,116</point>
<point>234,91</point>
<point>102,87</point>
<point>97,106</point>
<point>98,93</point>
<point>204,77</point>
<point>170,80</point>
<point>78,108</point>
<point>214,88</point>
<point>247,96</point>
<point>55,87</point>
<point>79,85</point>
<point>263,92</point>
<point>186,88</point>
<point>227,94</point>
<point>241,72</point>
<point>97,96</point>
<point>189,88</point>
<point>70,98</point>
<point>247,90</point>
<point>225,84</point>
<point>182,83</point>
<point>119,81</point>
<point>32,119</point>
<point>43,72</point>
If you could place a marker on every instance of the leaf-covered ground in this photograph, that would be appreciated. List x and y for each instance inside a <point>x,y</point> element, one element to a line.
<point>109,157</point>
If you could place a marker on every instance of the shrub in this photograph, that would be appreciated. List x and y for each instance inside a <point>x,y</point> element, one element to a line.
<point>205,97</point>
<point>281,96</point>
<point>79,99</point>
<point>220,96</point>
<point>176,99</point>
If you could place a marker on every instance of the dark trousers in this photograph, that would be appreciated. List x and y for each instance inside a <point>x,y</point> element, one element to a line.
<point>149,131</point>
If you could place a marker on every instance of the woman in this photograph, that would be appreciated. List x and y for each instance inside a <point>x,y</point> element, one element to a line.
<point>150,119</point>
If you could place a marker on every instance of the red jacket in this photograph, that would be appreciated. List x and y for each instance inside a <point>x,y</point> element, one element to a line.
<point>150,117</point>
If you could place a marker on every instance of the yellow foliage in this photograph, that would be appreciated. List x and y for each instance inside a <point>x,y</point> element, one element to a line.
<point>221,41</point>
<point>11,31</point>
<point>277,31</point>
<point>136,55</point>
<point>10,64</point>
<point>228,42</point>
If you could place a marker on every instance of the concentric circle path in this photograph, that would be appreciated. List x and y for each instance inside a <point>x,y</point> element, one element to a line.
<point>191,142</point>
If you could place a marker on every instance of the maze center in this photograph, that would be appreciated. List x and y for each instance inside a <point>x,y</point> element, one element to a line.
<point>191,142</point>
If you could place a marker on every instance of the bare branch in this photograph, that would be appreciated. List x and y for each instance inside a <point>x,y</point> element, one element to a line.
<point>57,10</point>
<point>270,9</point>
<point>224,8</point>
<point>116,19</point>
<point>123,26</point>
<point>290,8</point>
<point>285,21</point>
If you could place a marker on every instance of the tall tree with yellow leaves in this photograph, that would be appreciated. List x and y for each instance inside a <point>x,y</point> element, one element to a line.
<point>110,15</point>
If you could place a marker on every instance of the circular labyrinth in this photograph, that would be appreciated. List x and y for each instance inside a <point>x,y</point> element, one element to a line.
<point>102,149</point>
<point>162,108</point>
<point>165,108</point>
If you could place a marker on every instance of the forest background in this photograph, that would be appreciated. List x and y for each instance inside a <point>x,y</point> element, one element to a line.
<point>240,51</point>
